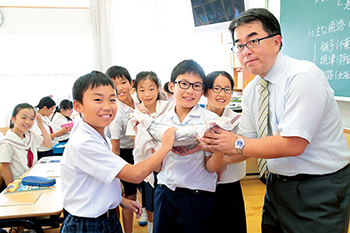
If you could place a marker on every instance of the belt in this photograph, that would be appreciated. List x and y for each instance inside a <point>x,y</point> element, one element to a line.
<point>108,214</point>
<point>183,190</point>
<point>301,177</point>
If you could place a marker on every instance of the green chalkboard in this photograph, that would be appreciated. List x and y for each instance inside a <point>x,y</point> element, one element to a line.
<point>319,31</point>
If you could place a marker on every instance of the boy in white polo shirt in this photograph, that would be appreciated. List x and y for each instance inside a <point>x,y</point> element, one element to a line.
<point>90,170</point>
<point>184,197</point>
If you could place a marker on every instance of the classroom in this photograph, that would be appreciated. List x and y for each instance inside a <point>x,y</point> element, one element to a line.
<point>46,45</point>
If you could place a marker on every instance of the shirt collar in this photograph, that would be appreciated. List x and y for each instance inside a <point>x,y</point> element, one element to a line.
<point>86,127</point>
<point>275,72</point>
<point>195,111</point>
<point>124,107</point>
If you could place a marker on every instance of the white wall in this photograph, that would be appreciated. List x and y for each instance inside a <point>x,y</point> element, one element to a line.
<point>43,51</point>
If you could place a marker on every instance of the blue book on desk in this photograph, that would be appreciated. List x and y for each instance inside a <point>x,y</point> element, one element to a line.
<point>38,181</point>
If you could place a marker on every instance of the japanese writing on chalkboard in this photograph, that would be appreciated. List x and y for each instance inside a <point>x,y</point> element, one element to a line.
<point>319,31</point>
<point>329,52</point>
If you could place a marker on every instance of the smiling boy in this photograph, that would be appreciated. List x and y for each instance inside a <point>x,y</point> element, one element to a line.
<point>90,170</point>
<point>123,145</point>
<point>186,184</point>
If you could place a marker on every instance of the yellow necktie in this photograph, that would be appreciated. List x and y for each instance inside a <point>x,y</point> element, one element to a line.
<point>263,119</point>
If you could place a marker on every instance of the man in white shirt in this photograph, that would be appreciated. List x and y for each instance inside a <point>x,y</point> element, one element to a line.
<point>308,187</point>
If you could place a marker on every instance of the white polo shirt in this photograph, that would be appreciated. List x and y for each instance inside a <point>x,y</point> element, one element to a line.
<point>301,104</point>
<point>234,171</point>
<point>117,129</point>
<point>187,171</point>
<point>89,169</point>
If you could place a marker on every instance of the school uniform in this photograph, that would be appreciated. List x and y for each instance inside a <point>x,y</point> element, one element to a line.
<point>20,153</point>
<point>91,191</point>
<point>229,204</point>
<point>42,150</point>
<point>117,130</point>
<point>185,193</point>
<point>58,120</point>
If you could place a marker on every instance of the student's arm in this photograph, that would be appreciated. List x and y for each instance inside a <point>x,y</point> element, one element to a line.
<point>214,162</point>
<point>47,138</point>
<point>59,133</point>
<point>6,171</point>
<point>138,172</point>
<point>116,146</point>
<point>230,160</point>
<point>159,167</point>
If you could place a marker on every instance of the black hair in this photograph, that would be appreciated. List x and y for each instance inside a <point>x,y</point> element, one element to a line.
<point>187,66</point>
<point>269,22</point>
<point>65,105</point>
<point>143,75</point>
<point>166,88</point>
<point>118,72</point>
<point>90,80</point>
<point>209,80</point>
<point>46,101</point>
<point>18,108</point>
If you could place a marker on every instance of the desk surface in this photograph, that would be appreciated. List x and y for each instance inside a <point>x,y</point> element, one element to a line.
<point>50,202</point>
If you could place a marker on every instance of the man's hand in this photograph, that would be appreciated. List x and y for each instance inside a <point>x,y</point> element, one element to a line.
<point>219,140</point>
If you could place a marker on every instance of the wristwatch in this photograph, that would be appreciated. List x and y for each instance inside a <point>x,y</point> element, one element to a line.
<point>239,144</point>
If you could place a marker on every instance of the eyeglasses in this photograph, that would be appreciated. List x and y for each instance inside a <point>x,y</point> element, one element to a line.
<point>185,85</point>
<point>250,44</point>
<point>218,89</point>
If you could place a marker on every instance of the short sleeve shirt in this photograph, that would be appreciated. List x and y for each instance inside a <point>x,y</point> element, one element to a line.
<point>89,169</point>
<point>17,156</point>
<point>301,104</point>
<point>187,171</point>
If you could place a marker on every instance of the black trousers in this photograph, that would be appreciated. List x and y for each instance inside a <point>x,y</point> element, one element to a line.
<point>307,203</point>
<point>228,209</point>
<point>182,210</point>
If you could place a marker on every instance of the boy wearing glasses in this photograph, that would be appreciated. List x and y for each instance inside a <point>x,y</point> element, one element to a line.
<point>186,184</point>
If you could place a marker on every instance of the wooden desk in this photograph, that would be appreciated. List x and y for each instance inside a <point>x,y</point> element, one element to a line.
<point>50,202</point>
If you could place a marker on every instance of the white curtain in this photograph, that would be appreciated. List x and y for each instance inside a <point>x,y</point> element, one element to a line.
<point>152,35</point>
<point>102,33</point>
<point>158,34</point>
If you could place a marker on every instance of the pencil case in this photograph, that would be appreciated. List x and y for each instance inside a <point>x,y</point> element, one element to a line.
<point>38,181</point>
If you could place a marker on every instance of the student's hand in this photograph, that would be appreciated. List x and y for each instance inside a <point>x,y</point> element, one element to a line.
<point>168,138</point>
<point>221,170</point>
<point>183,150</point>
<point>131,205</point>
<point>38,119</point>
<point>142,108</point>
<point>219,140</point>
<point>63,130</point>
<point>180,150</point>
<point>135,127</point>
